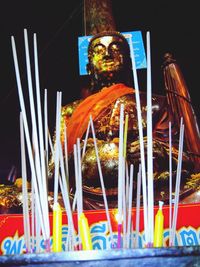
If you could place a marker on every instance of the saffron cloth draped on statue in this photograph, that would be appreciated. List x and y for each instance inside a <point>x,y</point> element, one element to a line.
<point>92,105</point>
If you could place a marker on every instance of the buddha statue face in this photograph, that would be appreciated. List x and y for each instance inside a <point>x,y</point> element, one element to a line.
<point>109,58</point>
<point>107,54</point>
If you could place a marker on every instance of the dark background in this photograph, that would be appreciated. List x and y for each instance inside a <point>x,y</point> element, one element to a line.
<point>173,26</point>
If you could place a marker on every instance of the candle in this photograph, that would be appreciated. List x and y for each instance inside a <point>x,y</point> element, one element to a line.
<point>125,134</point>
<point>57,228</point>
<point>85,232</point>
<point>159,226</point>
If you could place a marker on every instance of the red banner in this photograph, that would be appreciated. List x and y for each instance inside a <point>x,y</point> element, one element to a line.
<point>187,230</point>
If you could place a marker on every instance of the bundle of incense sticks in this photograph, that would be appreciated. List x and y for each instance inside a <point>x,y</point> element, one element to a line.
<point>38,160</point>
<point>36,149</point>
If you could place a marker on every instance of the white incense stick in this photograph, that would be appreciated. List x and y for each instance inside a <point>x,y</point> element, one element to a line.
<point>65,194</point>
<point>83,153</point>
<point>82,156</point>
<point>86,138</point>
<point>74,201</point>
<point>127,184</point>
<point>47,240</point>
<point>149,147</point>
<point>79,175</point>
<point>130,206</point>
<point>102,181</point>
<point>170,183</point>
<point>77,189</point>
<point>76,178</point>
<point>121,183</point>
<point>64,197</point>
<point>66,155</point>
<point>137,223</point>
<point>124,206</point>
<point>24,189</point>
<point>46,128</point>
<point>41,135</point>
<point>50,143</point>
<point>178,180</point>
<point>32,216</point>
<point>64,190</point>
<point>120,164</point>
<point>139,115</point>
<point>56,173</point>
<point>37,232</point>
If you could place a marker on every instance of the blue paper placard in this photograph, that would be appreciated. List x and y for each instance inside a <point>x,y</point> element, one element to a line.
<point>134,38</point>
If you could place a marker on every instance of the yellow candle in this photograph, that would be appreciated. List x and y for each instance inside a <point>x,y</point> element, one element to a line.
<point>57,228</point>
<point>159,226</point>
<point>85,232</point>
<point>125,134</point>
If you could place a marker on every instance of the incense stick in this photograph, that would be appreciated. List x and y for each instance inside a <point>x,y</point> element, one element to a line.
<point>65,191</point>
<point>32,216</point>
<point>82,220</point>
<point>130,205</point>
<point>124,205</point>
<point>139,116</point>
<point>56,175</point>
<point>77,190</point>
<point>79,175</point>
<point>126,183</point>
<point>37,231</point>
<point>125,135</point>
<point>170,183</point>
<point>41,135</point>
<point>57,213</point>
<point>178,179</point>
<point>137,223</point>
<point>120,174</point>
<point>102,181</point>
<point>86,138</point>
<point>65,194</point>
<point>149,147</point>
<point>24,189</point>
<point>46,130</point>
<point>66,156</point>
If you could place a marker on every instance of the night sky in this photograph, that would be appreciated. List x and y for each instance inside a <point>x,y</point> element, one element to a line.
<point>173,28</point>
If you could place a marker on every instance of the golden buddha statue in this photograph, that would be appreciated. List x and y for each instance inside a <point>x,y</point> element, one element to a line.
<point>111,80</point>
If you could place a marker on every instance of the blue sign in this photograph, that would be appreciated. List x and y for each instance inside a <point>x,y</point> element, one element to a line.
<point>134,39</point>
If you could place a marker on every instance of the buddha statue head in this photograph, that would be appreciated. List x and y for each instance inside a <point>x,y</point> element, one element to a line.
<point>109,60</point>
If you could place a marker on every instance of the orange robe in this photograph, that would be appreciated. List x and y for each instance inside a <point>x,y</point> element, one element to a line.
<point>92,105</point>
